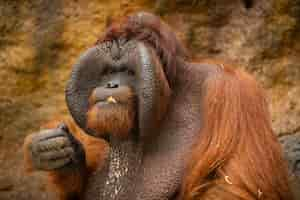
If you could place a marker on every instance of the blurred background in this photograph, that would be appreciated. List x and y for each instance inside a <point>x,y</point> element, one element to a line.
<point>41,39</point>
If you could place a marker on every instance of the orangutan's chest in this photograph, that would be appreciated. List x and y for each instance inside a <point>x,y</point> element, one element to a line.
<point>117,179</point>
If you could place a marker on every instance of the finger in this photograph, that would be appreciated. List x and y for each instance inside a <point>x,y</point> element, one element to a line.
<point>63,127</point>
<point>53,144</point>
<point>57,154</point>
<point>55,164</point>
<point>48,134</point>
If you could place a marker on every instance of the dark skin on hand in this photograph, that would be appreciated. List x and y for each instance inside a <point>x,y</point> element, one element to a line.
<point>156,126</point>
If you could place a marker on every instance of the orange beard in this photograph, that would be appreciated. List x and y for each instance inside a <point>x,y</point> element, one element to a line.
<point>116,119</point>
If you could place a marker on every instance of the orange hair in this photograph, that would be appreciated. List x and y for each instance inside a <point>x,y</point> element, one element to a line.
<point>237,155</point>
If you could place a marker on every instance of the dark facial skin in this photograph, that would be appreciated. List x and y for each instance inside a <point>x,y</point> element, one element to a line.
<point>115,76</point>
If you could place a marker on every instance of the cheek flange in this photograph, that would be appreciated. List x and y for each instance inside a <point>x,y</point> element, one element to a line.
<point>84,78</point>
<point>146,89</point>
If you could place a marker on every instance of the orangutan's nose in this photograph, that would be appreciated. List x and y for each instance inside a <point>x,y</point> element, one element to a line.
<point>112,84</point>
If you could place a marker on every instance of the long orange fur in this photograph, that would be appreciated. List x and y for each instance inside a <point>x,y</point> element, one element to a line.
<point>237,155</point>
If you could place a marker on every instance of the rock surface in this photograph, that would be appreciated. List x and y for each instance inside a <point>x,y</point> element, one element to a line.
<point>292,151</point>
<point>40,40</point>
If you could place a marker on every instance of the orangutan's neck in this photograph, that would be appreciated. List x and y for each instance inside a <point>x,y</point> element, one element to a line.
<point>124,161</point>
<point>116,179</point>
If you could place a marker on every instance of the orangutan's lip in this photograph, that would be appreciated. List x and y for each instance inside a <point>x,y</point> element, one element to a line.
<point>101,103</point>
<point>106,101</point>
<point>110,100</point>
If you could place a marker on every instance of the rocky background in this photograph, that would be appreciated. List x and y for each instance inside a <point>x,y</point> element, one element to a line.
<point>41,39</point>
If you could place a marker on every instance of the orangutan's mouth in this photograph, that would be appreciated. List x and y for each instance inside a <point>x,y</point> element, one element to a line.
<point>122,95</point>
<point>106,100</point>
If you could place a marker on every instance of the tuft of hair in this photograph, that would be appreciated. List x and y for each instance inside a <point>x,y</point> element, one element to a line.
<point>237,155</point>
<point>115,119</point>
<point>151,30</point>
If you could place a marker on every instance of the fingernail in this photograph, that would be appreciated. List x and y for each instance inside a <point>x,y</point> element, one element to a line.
<point>63,126</point>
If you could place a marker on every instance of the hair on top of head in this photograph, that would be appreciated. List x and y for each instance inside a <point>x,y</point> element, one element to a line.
<point>151,30</point>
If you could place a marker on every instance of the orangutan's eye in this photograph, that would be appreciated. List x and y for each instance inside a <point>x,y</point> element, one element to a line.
<point>108,70</point>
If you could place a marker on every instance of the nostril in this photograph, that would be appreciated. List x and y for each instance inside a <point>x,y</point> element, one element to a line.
<point>112,85</point>
<point>115,85</point>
